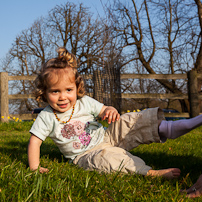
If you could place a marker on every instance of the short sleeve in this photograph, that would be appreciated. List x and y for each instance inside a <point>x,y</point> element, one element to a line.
<point>41,127</point>
<point>94,107</point>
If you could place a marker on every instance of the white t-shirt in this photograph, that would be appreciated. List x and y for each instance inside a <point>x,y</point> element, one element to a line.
<point>82,133</point>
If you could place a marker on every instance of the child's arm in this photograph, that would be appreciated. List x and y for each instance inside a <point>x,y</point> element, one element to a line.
<point>110,113</point>
<point>34,154</point>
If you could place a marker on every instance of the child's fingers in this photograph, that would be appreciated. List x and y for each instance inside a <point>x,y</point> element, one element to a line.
<point>105,117</point>
<point>113,116</point>
<point>117,117</point>
<point>43,170</point>
<point>110,117</point>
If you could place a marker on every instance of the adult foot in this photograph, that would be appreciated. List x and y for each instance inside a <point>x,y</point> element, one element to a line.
<point>170,173</point>
<point>195,190</point>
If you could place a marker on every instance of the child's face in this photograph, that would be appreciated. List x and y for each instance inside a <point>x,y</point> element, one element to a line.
<point>61,95</point>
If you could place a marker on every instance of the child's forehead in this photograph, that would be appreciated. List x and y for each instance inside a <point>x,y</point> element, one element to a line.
<point>61,76</point>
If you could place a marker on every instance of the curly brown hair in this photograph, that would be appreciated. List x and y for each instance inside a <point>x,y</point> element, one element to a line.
<point>65,61</point>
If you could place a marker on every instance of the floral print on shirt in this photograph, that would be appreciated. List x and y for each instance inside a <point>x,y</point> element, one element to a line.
<point>74,130</point>
<point>79,127</point>
<point>85,138</point>
<point>77,145</point>
<point>68,131</point>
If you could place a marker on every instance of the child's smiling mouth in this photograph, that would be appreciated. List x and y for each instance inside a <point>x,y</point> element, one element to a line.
<point>63,105</point>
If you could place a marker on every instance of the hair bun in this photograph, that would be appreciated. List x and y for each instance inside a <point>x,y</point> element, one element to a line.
<point>64,55</point>
<point>62,52</point>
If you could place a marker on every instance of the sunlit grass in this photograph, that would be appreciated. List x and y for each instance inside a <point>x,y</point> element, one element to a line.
<point>14,125</point>
<point>67,182</point>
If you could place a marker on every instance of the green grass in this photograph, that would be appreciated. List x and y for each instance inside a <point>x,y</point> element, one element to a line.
<point>67,182</point>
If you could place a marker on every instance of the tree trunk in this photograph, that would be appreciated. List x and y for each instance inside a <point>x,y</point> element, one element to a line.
<point>198,64</point>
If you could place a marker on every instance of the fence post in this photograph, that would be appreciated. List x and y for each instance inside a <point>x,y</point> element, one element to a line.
<point>193,93</point>
<point>97,81</point>
<point>4,96</point>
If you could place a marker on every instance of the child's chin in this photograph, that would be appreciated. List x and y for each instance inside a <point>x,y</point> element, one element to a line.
<point>62,110</point>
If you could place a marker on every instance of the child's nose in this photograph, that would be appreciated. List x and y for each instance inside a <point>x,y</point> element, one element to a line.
<point>62,96</point>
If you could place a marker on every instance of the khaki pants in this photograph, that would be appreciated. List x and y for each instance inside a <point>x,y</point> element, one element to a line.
<point>130,131</point>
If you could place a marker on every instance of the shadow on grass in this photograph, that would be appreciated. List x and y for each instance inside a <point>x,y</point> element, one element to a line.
<point>157,160</point>
<point>160,160</point>
<point>17,150</point>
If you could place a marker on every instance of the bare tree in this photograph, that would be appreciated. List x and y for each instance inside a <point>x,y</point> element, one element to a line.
<point>198,63</point>
<point>152,31</point>
<point>27,54</point>
<point>73,27</point>
<point>66,25</point>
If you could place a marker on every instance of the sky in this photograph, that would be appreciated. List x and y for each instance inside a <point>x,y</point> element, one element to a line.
<point>18,15</point>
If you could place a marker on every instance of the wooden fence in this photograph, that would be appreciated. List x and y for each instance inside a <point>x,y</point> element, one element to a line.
<point>192,95</point>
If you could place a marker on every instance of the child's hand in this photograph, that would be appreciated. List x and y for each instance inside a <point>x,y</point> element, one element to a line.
<point>43,170</point>
<point>111,114</point>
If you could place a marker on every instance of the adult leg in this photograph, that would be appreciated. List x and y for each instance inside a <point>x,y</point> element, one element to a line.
<point>175,129</point>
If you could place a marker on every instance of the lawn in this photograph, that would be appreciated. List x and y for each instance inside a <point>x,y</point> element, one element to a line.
<point>67,182</point>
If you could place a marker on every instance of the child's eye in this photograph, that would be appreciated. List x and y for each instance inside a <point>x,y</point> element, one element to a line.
<point>55,91</point>
<point>68,90</point>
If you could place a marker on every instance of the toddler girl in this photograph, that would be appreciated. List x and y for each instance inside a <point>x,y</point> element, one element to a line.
<point>70,121</point>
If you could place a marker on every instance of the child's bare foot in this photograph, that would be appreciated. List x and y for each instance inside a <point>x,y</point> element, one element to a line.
<point>170,173</point>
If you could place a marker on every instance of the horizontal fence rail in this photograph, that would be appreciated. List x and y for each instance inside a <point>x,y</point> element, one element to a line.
<point>4,78</point>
